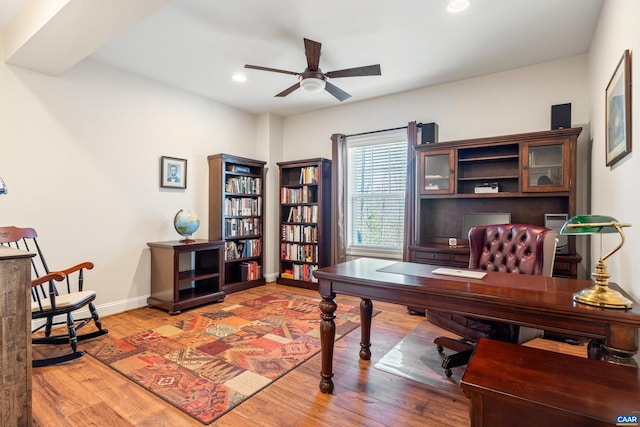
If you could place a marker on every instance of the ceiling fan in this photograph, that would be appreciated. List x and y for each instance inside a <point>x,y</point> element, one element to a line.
<point>312,79</point>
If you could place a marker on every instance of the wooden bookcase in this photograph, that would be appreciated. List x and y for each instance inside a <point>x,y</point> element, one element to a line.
<point>305,220</point>
<point>236,195</point>
<point>534,174</point>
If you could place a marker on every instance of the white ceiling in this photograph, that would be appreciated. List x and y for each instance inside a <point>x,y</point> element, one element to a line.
<point>197,45</point>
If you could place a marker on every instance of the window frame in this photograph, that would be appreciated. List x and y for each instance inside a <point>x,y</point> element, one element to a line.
<point>379,138</point>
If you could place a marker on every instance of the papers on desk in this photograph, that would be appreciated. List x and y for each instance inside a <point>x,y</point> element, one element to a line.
<point>469,274</point>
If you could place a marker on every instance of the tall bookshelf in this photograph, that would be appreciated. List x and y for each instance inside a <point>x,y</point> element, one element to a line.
<point>305,220</point>
<point>236,195</point>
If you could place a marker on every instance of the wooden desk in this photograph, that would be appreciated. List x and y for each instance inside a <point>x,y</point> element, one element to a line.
<point>511,385</point>
<point>535,301</point>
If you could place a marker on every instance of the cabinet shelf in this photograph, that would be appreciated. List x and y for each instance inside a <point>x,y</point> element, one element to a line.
<point>193,275</point>
<point>488,178</point>
<point>488,158</point>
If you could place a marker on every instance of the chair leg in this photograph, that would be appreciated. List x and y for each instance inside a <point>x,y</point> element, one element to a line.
<point>48,327</point>
<point>71,328</point>
<point>94,316</point>
<point>456,359</point>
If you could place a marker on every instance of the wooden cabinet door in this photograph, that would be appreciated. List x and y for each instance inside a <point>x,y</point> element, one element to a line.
<point>436,172</point>
<point>546,166</point>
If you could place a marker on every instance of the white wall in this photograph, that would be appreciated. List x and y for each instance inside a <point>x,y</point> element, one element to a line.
<point>503,103</point>
<point>614,192</point>
<point>80,155</point>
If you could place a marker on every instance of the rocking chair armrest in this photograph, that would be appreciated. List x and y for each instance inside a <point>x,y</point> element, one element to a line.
<point>87,264</point>
<point>58,276</point>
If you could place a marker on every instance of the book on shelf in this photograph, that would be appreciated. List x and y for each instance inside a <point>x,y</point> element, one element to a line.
<point>309,175</point>
<point>250,270</point>
<point>306,214</point>
<point>240,169</point>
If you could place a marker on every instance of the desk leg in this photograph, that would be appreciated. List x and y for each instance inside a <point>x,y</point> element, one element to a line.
<point>327,339</point>
<point>620,345</point>
<point>366,310</point>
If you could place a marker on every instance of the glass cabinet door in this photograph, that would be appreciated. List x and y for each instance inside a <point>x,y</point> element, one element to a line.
<point>437,172</point>
<point>545,166</point>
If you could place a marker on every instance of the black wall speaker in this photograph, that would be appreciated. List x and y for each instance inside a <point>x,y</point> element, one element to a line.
<point>429,133</point>
<point>561,116</point>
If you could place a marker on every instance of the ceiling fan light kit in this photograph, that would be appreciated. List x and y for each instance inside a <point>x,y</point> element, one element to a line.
<point>313,80</point>
<point>455,6</point>
<point>313,84</point>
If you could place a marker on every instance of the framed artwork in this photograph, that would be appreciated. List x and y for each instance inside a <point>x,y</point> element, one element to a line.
<point>618,111</point>
<point>173,172</point>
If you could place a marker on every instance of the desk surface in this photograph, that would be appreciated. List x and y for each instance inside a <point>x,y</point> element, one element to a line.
<point>420,286</point>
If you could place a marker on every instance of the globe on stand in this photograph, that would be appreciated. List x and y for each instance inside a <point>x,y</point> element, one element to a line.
<point>186,223</point>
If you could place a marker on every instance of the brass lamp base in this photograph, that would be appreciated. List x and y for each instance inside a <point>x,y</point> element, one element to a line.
<point>602,296</point>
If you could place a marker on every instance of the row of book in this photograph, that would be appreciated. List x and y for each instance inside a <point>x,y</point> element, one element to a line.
<point>303,214</point>
<point>243,185</point>
<point>242,249</point>
<point>299,233</point>
<point>309,175</point>
<point>243,206</point>
<point>300,272</point>
<point>234,227</point>
<point>250,270</point>
<point>297,252</point>
<point>299,195</point>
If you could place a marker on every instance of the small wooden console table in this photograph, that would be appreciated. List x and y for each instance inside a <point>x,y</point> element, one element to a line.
<point>201,283</point>
<point>535,301</point>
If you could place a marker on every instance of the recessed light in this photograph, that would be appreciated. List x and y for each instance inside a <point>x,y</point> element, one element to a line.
<point>455,6</point>
<point>239,77</point>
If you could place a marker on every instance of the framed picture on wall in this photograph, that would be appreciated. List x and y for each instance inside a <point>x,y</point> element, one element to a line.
<point>173,172</point>
<point>618,111</point>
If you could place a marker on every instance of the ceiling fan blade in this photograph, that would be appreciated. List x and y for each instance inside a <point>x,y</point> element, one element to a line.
<point>312,50</point>
<point>289,90</point>
<point>275,70</point>
<point>368,70</point>
<point>337,92</point>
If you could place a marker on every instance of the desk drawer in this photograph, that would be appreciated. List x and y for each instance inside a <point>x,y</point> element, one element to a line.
<point>428,256</point>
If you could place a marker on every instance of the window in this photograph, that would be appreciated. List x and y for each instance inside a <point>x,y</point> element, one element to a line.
<point>376,182</point>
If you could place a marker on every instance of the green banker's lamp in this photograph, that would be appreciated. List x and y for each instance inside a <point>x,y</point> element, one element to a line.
<point>600,295</point>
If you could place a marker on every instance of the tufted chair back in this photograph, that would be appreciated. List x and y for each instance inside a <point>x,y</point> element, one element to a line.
<point>513,248</point>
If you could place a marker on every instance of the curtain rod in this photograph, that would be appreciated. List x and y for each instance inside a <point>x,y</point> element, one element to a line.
<point>378,131</point>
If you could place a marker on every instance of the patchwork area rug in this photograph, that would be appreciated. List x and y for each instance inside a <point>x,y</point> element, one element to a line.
<point>209,363</point>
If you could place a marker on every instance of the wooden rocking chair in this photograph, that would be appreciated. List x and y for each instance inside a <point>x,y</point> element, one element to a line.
<point>49,300</point>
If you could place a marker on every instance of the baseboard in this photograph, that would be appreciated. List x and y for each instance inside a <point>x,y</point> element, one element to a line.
<point>270,277</point>
<point>103,310</point>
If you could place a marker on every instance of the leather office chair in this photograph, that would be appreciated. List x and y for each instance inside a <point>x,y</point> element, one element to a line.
<point>50,301</point>
<point>507,248</point>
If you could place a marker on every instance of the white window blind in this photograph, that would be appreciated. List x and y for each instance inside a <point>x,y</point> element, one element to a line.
<point>377,169</point>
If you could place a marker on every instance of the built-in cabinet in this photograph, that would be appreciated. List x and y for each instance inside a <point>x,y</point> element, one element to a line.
<point>527,175</point>
<point>305,220</point>
<point>236,196</point>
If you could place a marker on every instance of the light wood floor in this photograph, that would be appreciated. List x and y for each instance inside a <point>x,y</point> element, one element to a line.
<point>86,393</point>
